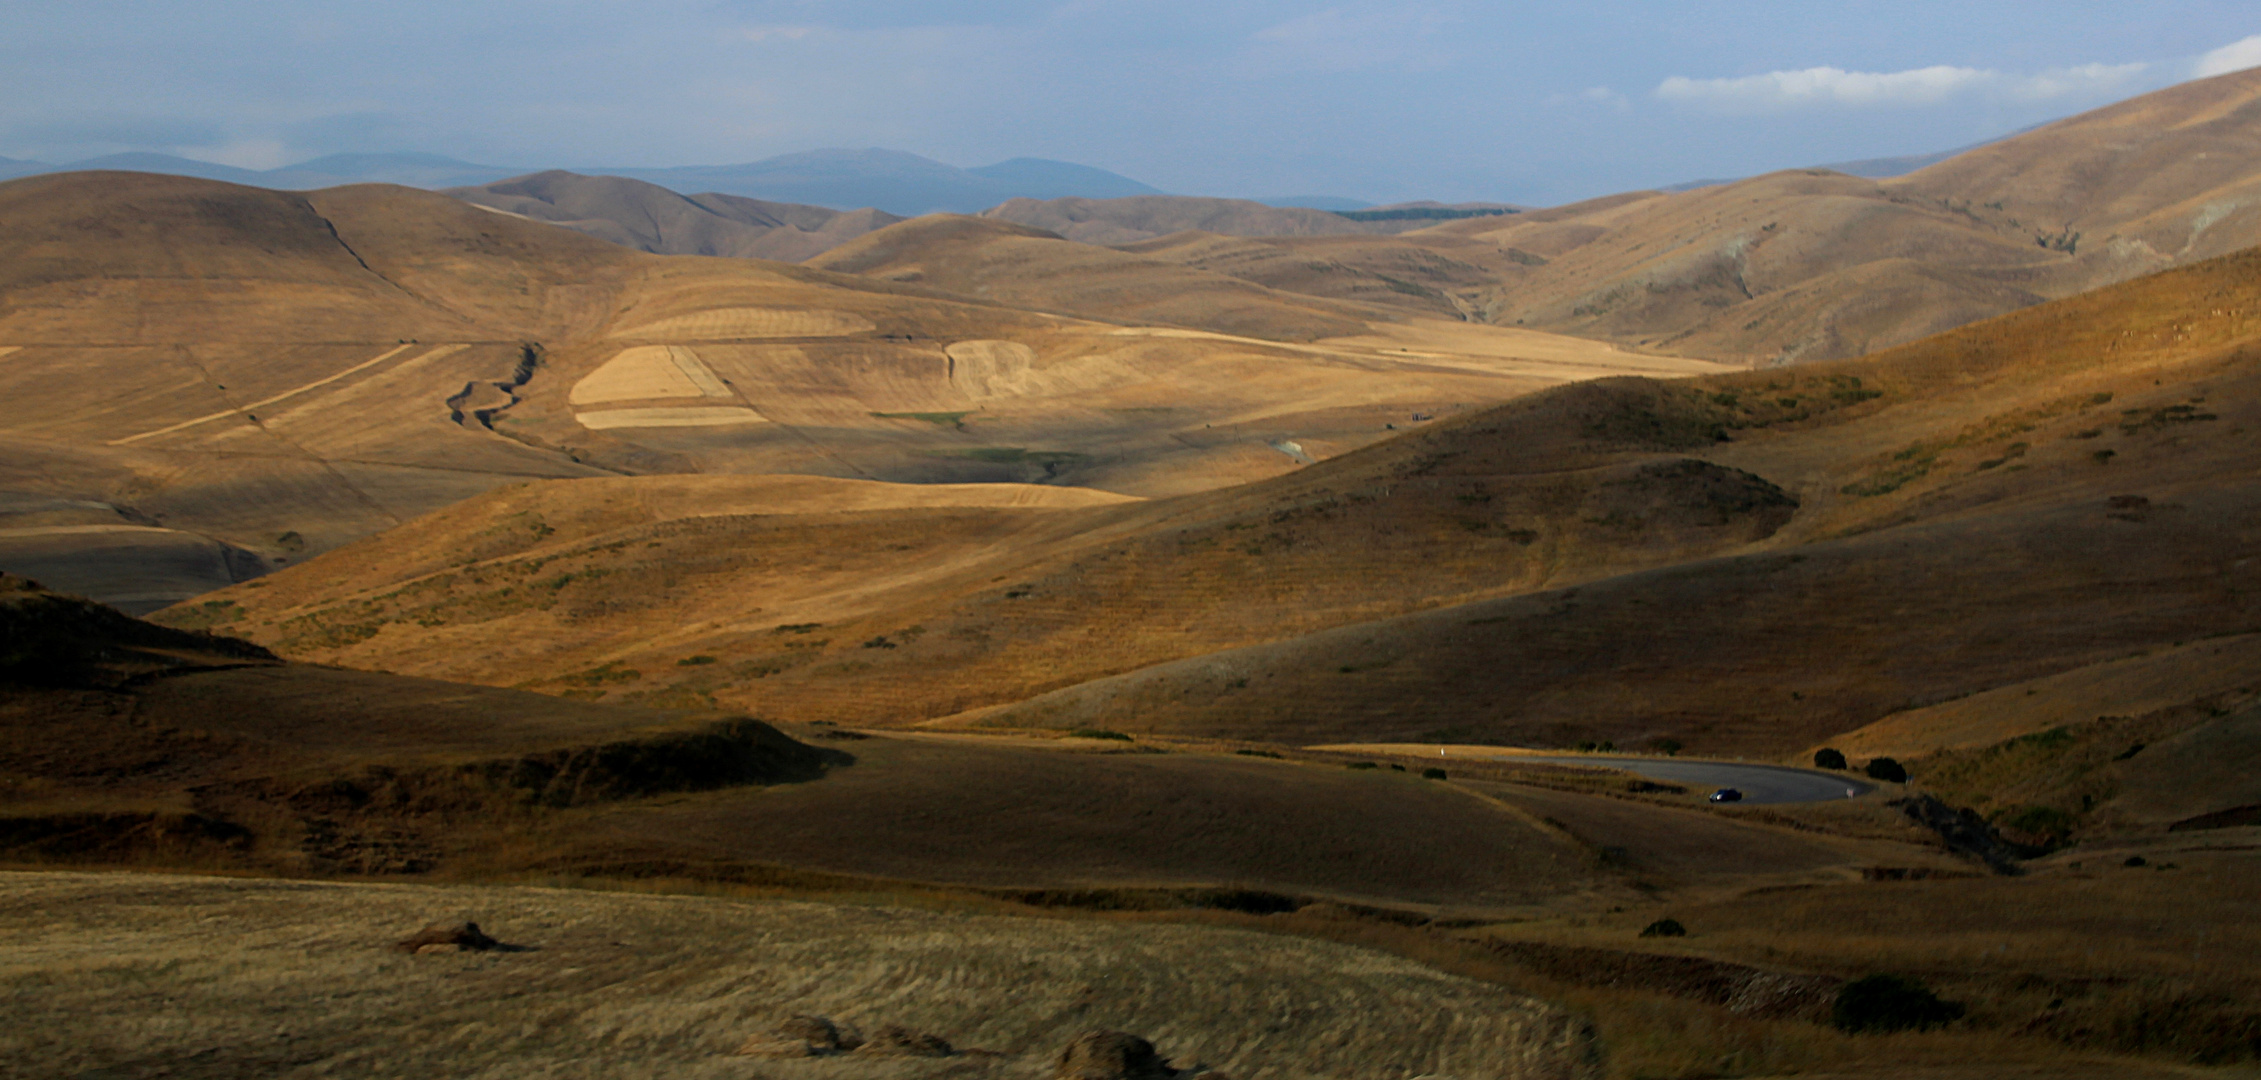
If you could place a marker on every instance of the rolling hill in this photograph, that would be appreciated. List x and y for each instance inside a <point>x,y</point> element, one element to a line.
<point>1816,265</point>
<point>651,218</point>
<point>203,381</point>
<point>1130,219</point>
<point>1833,544</point>
<point>894,181</point>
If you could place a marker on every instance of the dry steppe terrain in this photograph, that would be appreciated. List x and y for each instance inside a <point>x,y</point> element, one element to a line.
<point>1001,636</point>
<point>651,218</point>
<point>204,381</point>
<point>1814,265</point>
<point>109,975</point>
<point>1835,543</point>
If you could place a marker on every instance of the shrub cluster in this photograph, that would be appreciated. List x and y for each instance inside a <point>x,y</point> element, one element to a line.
<point>1890,1003</point>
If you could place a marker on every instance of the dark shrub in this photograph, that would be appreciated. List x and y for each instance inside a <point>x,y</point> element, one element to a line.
<point>1667,747</point>
<point>1665,928</point>
<point>1829,758</point>
<point>1361,765</point>
<point>1890,1003</point>
<point>1887,770</point>
<point>1098,733</point>
<point>2042,826</point>
<point>1432,774</point>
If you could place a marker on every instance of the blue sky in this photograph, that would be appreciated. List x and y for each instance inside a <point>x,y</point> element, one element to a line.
<point>1536,103</point>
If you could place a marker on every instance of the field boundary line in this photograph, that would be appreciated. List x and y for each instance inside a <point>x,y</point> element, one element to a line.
<point>264,402</point>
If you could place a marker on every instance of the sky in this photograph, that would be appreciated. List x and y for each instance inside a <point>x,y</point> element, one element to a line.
<point>1538,103</point>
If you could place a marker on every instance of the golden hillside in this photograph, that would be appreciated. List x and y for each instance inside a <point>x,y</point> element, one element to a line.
<point>1808,265</point>
<point>1833,543</point>
<point>204,381</point>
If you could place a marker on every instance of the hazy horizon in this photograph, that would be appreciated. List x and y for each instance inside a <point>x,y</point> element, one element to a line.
<point>1381,102</point>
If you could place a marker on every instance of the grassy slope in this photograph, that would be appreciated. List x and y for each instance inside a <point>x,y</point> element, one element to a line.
<point>265,375</point>
<point>1952,530</point>
<point>1813,266</point>
<point>1955,532</point>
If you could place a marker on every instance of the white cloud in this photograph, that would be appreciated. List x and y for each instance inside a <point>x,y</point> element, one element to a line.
<point>1828,86</point>
<point>2236,56</point>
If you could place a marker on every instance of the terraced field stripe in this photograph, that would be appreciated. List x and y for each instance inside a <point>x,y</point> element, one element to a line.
<point>264,402</point>
<point>696,370</point>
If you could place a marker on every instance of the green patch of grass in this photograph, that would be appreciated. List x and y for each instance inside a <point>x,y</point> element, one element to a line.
<point>207,614</point>
<point>945,419</point>
<point>1021,455</point>
<point>602,675</point>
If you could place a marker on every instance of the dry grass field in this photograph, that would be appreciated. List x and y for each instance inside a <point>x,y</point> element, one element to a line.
<point>266,376</point>
<point>979,637</point>
<point>651,218</point>
<point>2053,490</point>
<point>127,976</point>
<point>1465,899</point>
<point>1801,266</point>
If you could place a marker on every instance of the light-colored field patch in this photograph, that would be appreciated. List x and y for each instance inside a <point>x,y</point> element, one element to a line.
<point>704,416</point>
<point>992,368</point>
<point>7,349</point>
<point>751,322</point>
<point>649,371</point>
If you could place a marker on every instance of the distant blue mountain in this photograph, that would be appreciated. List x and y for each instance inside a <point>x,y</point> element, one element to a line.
<point>414,170</point>
<point>409,169</point>
<point>890,180</point>
<point>10,168</point>
<point>1038,178</point>
<point>167,163</point>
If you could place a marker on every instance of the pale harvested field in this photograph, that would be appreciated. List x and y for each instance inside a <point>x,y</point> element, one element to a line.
<point>648,371</point>
<point>742,322</point>
<point>1570,357</point>
<point>147,975</point>
<point>707,416</point>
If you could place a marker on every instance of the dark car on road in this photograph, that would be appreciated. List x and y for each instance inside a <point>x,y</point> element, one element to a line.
<point>1727,794</point>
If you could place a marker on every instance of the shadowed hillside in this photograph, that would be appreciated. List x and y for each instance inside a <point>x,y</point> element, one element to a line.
<point>651,218</point>
<point>2056,489</point>
<point>1144,217</point>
